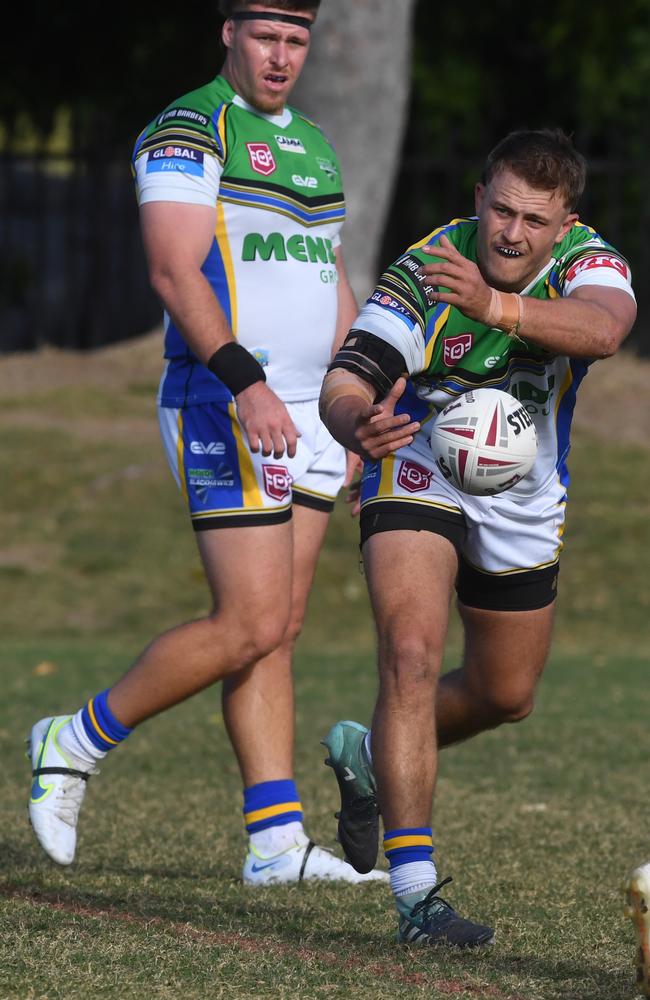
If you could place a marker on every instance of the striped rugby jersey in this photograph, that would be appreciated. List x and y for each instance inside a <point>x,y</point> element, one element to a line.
<point>448,354</point>
<point>276,183</point>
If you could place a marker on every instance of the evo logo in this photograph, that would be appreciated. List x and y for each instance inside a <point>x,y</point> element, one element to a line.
<point>304,182</point>
<point>212,448</point>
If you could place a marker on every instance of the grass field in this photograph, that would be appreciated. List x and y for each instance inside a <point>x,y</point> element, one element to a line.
<point>538,823</point>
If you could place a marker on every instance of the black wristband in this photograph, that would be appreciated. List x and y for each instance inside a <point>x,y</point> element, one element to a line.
<point>236,367</point>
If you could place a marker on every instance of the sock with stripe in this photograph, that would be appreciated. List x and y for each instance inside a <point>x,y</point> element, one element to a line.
<point>93,731</point>
<point>412,871</point>
<point>273,817</point>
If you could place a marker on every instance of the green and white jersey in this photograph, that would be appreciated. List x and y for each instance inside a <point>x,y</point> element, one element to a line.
<point>276,185</point>
<point>447,354</point>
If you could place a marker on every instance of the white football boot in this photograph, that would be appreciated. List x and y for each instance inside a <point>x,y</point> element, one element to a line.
<point>303,862</point>
<point>637,908</point>
<point>58,787</point>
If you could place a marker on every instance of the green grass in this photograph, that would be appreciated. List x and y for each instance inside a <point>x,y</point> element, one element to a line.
<point>537,823</point>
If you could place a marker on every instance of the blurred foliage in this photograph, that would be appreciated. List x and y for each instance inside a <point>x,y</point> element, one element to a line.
<point>114,72</point>
<point>586,67</point>
<point>479,69</point>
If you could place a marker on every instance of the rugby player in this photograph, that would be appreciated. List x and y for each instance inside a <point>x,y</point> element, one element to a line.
<point>241,207</point>
<point>523,298</point>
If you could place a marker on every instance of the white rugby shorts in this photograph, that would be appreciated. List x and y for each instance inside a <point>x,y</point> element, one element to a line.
<point>226,484</point>
<point>508,545</point>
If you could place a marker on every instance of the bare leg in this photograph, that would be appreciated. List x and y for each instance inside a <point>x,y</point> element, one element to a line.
<point>505,653</point>
<point>258,701</point>
<point>410,579</point>
<point>250,578</point>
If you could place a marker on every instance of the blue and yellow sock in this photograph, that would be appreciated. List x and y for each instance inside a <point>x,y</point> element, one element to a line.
<point>94,730</point>
<point>272,815</point>
<point>412,871</point>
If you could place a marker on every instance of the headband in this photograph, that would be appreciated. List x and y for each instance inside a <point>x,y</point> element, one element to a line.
<point>261,15</point>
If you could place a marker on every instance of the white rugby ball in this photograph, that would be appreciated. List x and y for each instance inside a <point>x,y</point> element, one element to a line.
<point>484,442</point>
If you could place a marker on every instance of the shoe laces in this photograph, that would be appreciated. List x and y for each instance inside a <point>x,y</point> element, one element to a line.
<point>434,904</point>
<point>69,798</point>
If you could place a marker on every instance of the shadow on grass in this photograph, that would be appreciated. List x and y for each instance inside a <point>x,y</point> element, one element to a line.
<point>282,919</point>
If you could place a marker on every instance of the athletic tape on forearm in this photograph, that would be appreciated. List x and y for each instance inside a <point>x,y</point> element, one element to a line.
<point>506,312</point>
<point>338,383</point>
<point>236,367</point>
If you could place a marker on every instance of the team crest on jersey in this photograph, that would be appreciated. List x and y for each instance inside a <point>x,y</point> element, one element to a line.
<point>261,158</point>
<point>413,477</point>
<point>290,144</point>
<point>277,481</point>
<point>456,347</point>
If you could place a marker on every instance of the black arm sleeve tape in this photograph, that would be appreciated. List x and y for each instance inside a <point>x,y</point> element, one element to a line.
<point>372,359</point>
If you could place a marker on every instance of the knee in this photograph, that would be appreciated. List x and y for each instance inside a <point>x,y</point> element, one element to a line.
<point>249,639</point>
<point>501,707</point>
<point>408,665</point>
<point>293,630</point>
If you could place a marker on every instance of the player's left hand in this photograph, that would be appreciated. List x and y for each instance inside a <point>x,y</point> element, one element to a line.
<point>466,288</point>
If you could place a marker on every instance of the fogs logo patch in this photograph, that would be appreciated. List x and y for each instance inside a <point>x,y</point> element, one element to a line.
<point>277,481</point>
<point>261,158</point>
<point>413,477</point>
<point>456,348</point>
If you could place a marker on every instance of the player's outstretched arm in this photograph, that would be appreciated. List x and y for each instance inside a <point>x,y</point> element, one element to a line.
<point>177,239</point>
<point>371,430</point>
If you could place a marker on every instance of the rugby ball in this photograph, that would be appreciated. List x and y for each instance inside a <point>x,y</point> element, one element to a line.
<point>484,442</point>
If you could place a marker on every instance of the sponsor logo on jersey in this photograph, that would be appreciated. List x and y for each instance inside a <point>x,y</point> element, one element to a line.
<point>304,182</point>
<point>188,114</point>
<point>413,477</point>
<point>535,398</point>
<point>307,249</point>
<point>328,167</point>
<point>290,145</point>
<point>596,261</point>
<point>277,481</point>
<point>388,302</point>
<point>202,480</point>
<point>456,348</point>
<point>412,266</point>
<point>261,158</point>
<point>211,448</point>
<point>181,158</point>
<point>410,263</point>
<point>492,361</point>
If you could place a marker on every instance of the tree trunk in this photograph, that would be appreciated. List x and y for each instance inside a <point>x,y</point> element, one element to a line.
<point>356,85</point>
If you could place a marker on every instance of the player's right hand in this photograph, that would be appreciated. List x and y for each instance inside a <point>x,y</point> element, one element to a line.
<point>266,421</point>
<point>380,431</point>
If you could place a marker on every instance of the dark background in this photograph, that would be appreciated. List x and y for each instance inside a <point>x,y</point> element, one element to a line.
<point>80,83</point>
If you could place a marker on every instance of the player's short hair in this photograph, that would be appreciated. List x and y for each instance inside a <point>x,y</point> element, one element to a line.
<point>544,158</point>
<point>229,7</point>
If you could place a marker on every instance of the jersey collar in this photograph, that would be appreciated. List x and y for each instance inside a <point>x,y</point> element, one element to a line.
<point>280,121</point>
